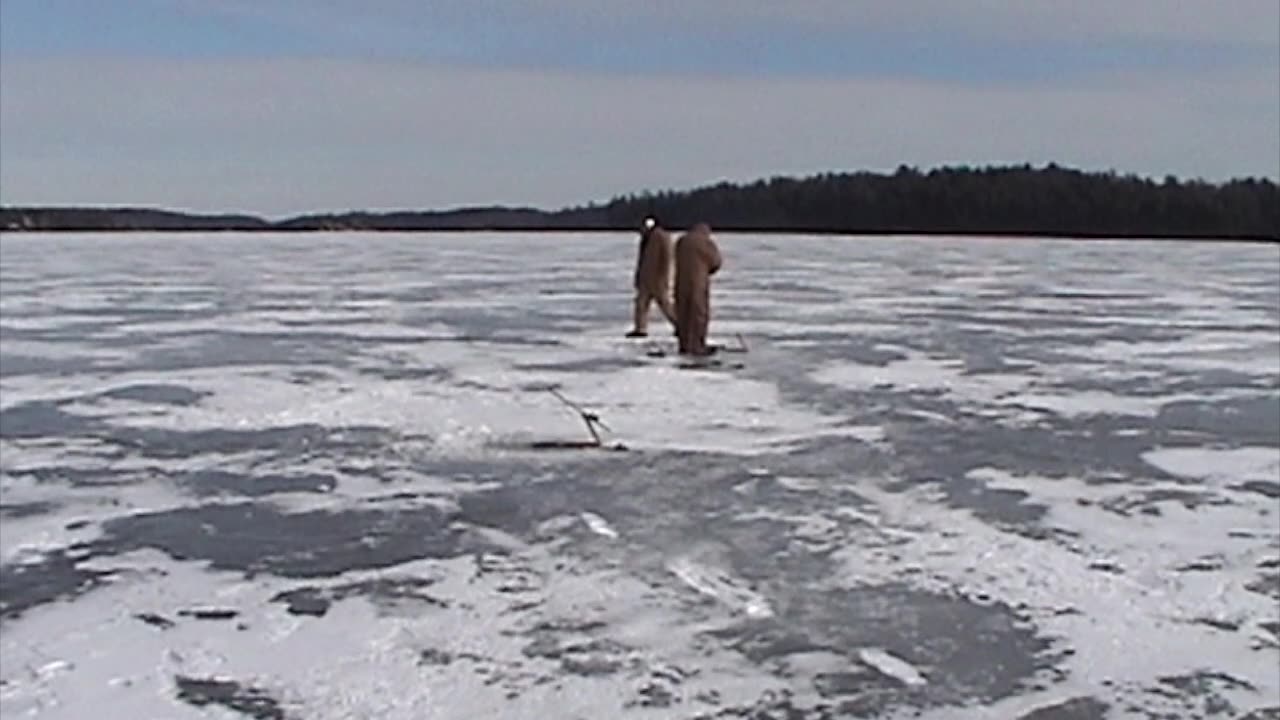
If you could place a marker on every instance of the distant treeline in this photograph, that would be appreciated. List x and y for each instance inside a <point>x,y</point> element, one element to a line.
<point>1011,200</point>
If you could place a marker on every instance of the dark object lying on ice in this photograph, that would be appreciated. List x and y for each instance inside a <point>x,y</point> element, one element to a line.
<point>576,445</point>
<point>590,419</point>
<point>709,364</point>
<point>656,352</point>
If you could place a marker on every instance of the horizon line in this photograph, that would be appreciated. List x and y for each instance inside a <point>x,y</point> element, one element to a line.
<point>649,192</point>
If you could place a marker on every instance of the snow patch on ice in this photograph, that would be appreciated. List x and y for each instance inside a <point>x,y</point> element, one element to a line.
<point>720,585</point>
<point>599,525</point>
<point>919,371</point>
<point>1144,599</point>
<point>892,666</point>
<point>1095,402</point>
<point>1218,465</point>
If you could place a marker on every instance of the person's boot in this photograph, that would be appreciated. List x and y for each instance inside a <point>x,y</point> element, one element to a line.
<point>637,334</point>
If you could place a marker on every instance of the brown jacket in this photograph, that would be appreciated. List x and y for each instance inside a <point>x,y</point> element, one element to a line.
<point>697,259</point>
<point>653,262</point>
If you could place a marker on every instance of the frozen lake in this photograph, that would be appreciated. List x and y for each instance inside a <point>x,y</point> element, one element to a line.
<point>289,476</point>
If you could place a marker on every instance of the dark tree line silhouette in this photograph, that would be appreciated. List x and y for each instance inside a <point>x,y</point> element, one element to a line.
<point>1008,200</point>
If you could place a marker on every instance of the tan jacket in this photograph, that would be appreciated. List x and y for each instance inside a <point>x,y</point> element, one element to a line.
<point>653,262</point>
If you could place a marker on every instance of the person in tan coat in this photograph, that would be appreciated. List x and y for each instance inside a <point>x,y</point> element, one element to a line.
<point>697,259</point>
<point>653,277</point>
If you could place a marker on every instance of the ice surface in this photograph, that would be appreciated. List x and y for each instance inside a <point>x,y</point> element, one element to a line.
<point>1240,464</point>
<point>1097,402</point>
<point>921,373</point>
<point>891,665</point>
<point>599,525</point>
<point>717,584</point>
<point>953,479</point>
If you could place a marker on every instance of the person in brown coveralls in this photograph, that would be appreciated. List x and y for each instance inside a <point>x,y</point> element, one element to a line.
<point>653,277</point>
<point>697,259</point>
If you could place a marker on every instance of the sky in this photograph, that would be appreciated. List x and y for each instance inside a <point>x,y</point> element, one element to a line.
<point>277,107</point>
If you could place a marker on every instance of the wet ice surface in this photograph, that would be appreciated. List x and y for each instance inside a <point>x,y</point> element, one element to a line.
<point>289,477</point>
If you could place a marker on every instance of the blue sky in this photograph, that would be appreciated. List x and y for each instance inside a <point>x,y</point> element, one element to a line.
<point>281,106</point>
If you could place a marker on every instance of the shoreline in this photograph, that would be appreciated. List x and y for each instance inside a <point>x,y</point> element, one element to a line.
<point>728,230</point>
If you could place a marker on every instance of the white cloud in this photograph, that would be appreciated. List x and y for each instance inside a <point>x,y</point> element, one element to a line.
<point>282,136</point>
